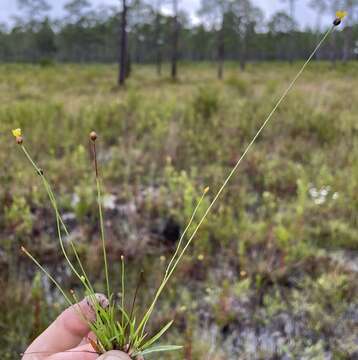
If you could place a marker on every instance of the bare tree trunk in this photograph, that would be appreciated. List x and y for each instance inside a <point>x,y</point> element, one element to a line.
<point>175,41</point>
<point>243,62</point>
<point>158,44</point>
<point>128,69</point>
<point>159,61</point>
<point>243,55</point>
<point>123,56</point>
<point>221,52</point>
<point>291,46</point>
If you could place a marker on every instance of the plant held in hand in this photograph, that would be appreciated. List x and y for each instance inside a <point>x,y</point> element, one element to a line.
<point>115,326</point>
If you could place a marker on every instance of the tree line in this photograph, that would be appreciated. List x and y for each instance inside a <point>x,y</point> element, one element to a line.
<point>157,31</point>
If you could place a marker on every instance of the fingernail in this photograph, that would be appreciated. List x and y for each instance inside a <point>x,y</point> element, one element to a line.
<point>100,298</point>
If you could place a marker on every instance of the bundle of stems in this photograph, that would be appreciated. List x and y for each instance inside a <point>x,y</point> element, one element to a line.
<point>115,326</point>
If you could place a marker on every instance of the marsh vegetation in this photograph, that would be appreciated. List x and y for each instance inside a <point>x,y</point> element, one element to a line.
<point>272,272</point>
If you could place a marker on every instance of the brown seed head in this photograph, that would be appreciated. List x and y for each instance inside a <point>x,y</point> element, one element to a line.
<point>93,136</point>
<point>19,140</point>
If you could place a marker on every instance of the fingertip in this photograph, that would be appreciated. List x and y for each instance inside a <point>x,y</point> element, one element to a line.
<point>75,319</point>
<point>114,355</point>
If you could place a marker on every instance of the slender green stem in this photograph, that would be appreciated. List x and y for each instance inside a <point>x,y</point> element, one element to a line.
<point>59,223</point>
<point>185,231</point>
<point>79,311</point>
<point>139,283</point>
<point>54,205</point>
<point>123,289</point>
<point>169,269</point>
<point>68,234</point>
<point>99,200</point>
<point>101,222</point>
<point>48,275</point>
<point>228,178</point>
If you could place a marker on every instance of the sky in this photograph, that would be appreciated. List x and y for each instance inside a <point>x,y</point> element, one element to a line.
<point>303,13</point>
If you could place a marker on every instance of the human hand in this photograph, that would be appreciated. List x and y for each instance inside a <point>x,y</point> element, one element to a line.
<point>67,337</point>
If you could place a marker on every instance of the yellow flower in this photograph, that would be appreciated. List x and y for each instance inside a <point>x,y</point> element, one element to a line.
<point>201,257</point>
<point>341,14</point>
<point>16,132</point>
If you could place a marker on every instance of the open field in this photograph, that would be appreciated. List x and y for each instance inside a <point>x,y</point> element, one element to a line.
<point>273,272</point>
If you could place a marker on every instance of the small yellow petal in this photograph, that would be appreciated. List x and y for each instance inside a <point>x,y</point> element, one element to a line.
<point>206,189</point>
<point>341,14</point>
<point>16,132</point>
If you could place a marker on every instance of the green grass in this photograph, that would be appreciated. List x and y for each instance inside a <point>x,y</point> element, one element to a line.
<point>292,205</point>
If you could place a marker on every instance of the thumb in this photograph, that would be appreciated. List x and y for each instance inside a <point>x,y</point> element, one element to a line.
<point>114,355</point>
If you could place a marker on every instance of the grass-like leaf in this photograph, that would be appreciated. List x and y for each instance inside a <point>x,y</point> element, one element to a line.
<point>157,336</point>
<point>159,348</point>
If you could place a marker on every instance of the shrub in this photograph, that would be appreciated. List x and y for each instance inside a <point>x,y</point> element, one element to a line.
<point>206,102</point>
